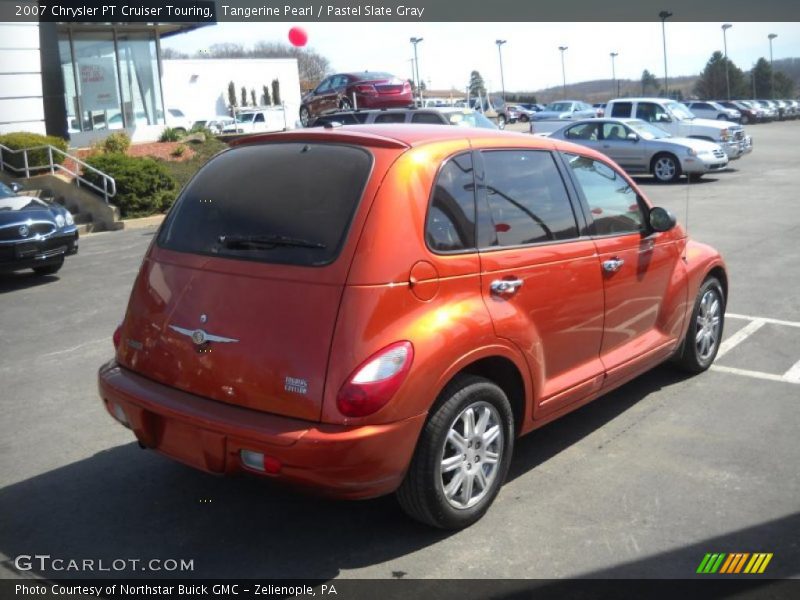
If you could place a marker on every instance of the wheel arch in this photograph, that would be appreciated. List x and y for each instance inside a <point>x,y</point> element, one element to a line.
<point>506,374</point>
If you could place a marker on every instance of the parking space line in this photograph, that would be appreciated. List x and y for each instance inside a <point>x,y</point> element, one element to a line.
<point>740,336</point>
<point>763,319</point>
<point>793,374</point>
<point>756,374</point>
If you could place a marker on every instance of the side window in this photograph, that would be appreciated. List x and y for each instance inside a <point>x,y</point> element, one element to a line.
<point>585,131</point>
<point>259,118</point>
<point>339,82</point>
<point>621,109</point>
<point>450,225</point>
<point>323,87</point>
<point>614,131</point>
<point>650,112</point>
<point>391,118</point>
<point>528,202</point>
<point>613,203</point>
<point>426,118</point>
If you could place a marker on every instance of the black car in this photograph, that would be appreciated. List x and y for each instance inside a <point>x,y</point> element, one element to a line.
<point>34,234</point>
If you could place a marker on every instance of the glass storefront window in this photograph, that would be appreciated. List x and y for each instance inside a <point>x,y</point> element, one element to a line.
<point>108,84</point>
<point>141,84</point>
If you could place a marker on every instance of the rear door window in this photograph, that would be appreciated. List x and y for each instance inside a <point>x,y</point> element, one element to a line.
<point>528,202</point>
<point>427,118</point>
<point>288,203</point>
<point>391,118</point>
<point>621,109</point>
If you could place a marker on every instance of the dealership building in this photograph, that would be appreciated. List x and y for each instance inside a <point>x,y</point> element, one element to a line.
<point>80,81</point>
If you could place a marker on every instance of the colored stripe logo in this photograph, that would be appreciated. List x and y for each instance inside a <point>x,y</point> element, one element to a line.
<point>734,563</point>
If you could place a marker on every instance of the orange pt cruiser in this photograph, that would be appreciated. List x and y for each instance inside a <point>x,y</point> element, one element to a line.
<point>374,309</point>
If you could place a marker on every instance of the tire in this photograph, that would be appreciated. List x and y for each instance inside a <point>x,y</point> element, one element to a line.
<point>523,118</point>
<point>448,497</point>
<point>697,352</point>
<point>501,121</point>
<point>745,120</point>
<point>345,104</point>
<point>305,116</point>
<point>51,269</point>
<point>666,168</point>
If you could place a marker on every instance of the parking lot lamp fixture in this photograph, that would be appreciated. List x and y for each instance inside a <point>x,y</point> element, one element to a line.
<point>664,15</point>
<point>563,72</point>
<point>614,88</point>
<point>415,41</point>
<point>502,79</point>
<point>725,28</point>
<point>771,37</point>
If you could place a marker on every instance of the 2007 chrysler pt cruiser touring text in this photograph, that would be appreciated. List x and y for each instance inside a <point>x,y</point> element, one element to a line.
<point>373,309</point>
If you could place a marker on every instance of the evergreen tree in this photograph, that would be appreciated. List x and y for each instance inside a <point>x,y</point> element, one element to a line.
<point>232,94</point>
<point>276,91</point>
<point>476,85</point>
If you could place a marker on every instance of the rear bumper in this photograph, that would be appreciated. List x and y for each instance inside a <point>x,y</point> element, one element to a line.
<point>336,460</point>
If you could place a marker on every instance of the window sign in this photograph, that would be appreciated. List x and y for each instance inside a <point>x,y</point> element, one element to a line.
<point>99,90</point>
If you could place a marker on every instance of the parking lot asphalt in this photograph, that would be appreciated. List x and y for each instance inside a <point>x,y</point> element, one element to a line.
<point>641,483</point>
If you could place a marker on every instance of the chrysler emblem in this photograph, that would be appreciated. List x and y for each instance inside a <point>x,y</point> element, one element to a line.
<point>23,231</point>
<point>200,337</point>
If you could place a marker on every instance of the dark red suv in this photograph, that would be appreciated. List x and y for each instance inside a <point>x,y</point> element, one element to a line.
<point>369,89</point>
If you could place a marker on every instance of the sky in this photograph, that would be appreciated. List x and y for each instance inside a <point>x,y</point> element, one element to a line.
<point>531,59</point>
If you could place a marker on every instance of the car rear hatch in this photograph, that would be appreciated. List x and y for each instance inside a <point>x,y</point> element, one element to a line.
<point>238,297</point>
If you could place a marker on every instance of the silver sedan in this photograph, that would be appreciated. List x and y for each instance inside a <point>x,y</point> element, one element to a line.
<point>639,147</point>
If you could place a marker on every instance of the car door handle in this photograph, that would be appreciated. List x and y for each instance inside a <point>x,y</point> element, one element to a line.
<point>613,265</point>
<point>505,287</point>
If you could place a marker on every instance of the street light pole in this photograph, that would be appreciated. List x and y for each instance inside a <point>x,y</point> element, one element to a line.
<point>502,80</point>
<point>725,28</point>
<point>664,15</point>
<point>771,37</point>
<point>415,41</point>
<point>614,89</point>
<point>563,71</point>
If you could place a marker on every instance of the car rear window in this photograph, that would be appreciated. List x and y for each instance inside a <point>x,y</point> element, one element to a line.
<point>288,203</point>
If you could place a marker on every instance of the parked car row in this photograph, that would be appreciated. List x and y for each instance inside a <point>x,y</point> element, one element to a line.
<point>444,115</point>
<point>746,111</point>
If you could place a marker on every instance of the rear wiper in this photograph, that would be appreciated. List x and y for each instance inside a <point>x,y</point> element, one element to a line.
<point>265,242</point>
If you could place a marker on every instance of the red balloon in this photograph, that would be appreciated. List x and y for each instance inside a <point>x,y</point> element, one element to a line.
<point>298,36</point>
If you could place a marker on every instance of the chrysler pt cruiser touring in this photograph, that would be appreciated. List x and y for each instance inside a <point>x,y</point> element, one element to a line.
<point>374,309</point>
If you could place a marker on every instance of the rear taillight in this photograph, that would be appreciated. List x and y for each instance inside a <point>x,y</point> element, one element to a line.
<point>117,337</point>
<point>366,89</point>
<point>375,381</point>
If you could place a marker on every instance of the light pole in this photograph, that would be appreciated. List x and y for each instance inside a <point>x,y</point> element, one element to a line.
<point>563,72</point>
<point>502,80</point>
<point>415,41</point>
<point>614,89</point>
<point>664,15</point>
<point>725,28</point>
<point>771,37</point>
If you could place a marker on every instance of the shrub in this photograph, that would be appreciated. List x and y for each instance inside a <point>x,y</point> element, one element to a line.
<point>117,143</point>
<point>170,134</point>
<point>23,139</point>
<point>144,186</point>
<point>178,152</point>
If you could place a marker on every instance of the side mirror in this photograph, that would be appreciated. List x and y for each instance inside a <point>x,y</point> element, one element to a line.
<point>632,137</point>
<point>16,187</point>
<point>661,219</point>
<point>663,118</point>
